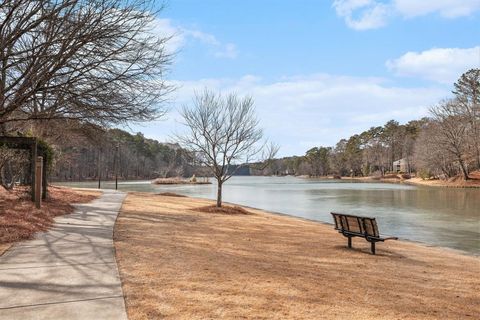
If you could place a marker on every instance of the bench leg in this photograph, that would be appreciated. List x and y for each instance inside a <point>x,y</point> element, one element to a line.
<point>372,245</point>
<point>350,242</point>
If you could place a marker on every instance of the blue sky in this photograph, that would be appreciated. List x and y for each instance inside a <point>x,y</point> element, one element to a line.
<point>319,70</point>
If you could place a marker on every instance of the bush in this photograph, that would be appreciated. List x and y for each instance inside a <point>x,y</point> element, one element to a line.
<point>424,174</point>
<point>48,152</point>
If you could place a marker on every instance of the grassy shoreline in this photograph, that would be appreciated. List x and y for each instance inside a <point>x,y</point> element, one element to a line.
<point>178,262</point>
<point>331,225</point>
<point>456,183</point>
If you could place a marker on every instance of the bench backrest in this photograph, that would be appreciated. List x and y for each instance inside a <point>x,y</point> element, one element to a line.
<point>356,224</point>
<point>371,228</point>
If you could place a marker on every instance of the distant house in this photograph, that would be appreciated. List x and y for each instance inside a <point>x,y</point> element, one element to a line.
<point>401,165</point>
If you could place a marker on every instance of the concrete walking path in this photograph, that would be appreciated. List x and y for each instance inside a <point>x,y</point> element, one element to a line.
<point>70,271</point>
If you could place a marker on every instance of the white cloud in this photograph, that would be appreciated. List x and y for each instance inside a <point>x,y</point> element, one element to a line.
<point>180,36</point>
<point>201,36</point>
<point>305,111</point>
<point>372,14</point>
<point>165,28</point>
<point>444,65</point>
<point>362,14</point>
<point>446,8</point>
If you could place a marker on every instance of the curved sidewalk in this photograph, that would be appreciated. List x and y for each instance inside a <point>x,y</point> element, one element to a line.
<point>70,271</point>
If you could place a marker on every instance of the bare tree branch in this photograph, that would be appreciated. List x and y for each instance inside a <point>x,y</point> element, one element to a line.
<point>223,132</point>
<point>96,61</point>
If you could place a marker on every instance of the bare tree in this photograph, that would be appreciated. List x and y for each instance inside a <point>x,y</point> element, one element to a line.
<point>467,92</point>
<point>430,157</point>
<point>224,133</point>
<point>95,61</point>
<point>12,166</point>
<point>172,163</point>
<point>452,132</point>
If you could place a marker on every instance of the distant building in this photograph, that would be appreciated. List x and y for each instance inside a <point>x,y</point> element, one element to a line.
<point>401,165</point>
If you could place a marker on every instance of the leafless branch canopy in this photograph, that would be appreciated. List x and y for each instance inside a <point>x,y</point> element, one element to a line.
<point>93,60</point>
<point>269,151</point>
<point>222,131</point>
<point>452,131</point>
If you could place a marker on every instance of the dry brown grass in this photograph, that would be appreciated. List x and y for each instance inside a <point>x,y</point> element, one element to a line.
<point>393,176</point>
<point>455,182</point>
<point>178,263</point>
<point>20,220</point>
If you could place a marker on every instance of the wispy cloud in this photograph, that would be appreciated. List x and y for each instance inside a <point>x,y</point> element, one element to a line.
<point>372,14</point>
<point>228,50</point>
<point>362,14</point>
<point>181,36</point>
<point>319,109</point>
<point>444,65</point>
<point>165,28</point>
<point>446,8</point>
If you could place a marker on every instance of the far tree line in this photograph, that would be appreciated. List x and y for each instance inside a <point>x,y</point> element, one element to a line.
<point>444,144</point>
<point>112,153</point>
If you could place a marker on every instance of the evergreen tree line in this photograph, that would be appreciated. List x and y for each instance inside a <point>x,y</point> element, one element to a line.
<point>117,153</point>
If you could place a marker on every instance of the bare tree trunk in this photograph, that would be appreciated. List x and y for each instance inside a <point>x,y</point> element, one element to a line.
<point>464,170</point>
<point>478,156</point>
<point>219,193</point>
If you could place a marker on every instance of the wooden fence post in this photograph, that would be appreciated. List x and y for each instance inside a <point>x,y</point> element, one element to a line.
<point>38,182</point>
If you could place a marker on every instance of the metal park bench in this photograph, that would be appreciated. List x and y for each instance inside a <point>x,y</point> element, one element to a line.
<point>355,226</point>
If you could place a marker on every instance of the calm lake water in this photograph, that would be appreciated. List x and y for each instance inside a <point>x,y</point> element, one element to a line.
<point>446,217</point>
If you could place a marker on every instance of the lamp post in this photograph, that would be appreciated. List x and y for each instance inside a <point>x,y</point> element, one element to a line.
<point>99,168</point>
<point>115,169</point>
<point>38,181</point>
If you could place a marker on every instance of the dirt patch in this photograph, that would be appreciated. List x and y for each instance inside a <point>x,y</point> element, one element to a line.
<point>20,220</point>
<point>171,194</point>
<point>178,263</point>
<point>222,210</point>
<point>391,176</point>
